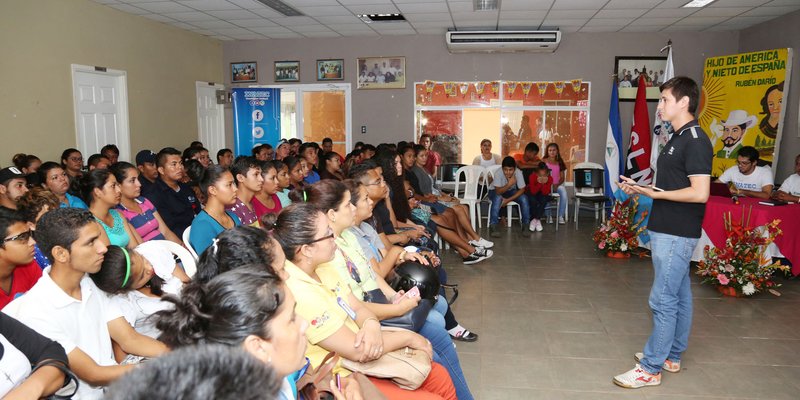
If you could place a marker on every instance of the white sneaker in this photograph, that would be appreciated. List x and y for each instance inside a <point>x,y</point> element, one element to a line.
<point>532,225</point>
<point>668,366</point>
<point>481,242</point>
<point>549,219</point>
<point>539,226</point>
<point>561,221</point>
<point>637,378</point>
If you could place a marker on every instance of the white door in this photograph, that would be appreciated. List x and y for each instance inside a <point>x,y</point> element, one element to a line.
<point>210,118</point>
<point>101,109</point>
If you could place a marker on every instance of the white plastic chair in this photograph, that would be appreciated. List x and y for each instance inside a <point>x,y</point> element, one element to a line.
<point>469,197</point>
<point>188,260</point>
<point>490,172</point>
<point>589,192</point>
<point>185,238</point>
<point>555,197</point>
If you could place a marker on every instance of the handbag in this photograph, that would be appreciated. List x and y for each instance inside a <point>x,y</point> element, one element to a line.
<point>411,320</point>
<point>407,368</point>
<point>71,382</point>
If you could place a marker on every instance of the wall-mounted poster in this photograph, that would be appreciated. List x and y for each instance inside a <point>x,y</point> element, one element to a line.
<point>741,104</point>
<point>381,72</point>
<point>256,118</point>
<point>287,71</point>
<point>330,70</point>
<point>244,72</point>
<point>631,70</point>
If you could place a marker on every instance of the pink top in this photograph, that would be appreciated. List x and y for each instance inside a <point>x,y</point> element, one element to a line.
<point>145,223</point>
<point>555,172</point>
<point>262,210</point>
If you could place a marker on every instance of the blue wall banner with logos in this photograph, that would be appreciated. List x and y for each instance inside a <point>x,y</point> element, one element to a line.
<point>256,118</point>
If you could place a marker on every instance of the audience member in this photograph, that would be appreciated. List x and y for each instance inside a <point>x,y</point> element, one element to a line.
<point>137,209</point>
<point>27,163</point>
<point>18,270</point>
<point>327,145</point>
<point>98,161</point>
<point>66,306</point>
<point>790,189</point>
<point>111,152</point>
<point>331,166</point>
<point>308,151</point>
<point>486,158</point>
<point>529,157</point>
<point>558,171</point>
<point>434,159</point>
<point>284,182</point>
<point>282,150</point>
<point>218,186</point>
<point>12,187</point>
<point>249,180</point>
<point>225,158</point>
<point>72,163</point>
<point>508,185</point>
<point>540,185</point>
<point>32,206</point>
<point>175,201</point>
<point>263,152</point>
<point>296,172</point>
<point>266,200</point>
<point>146,163</point>
<point>747,177</point>
<point>55,179</point>
<point>240,246</point>
<point>197,153</point>
<point>101,190</point>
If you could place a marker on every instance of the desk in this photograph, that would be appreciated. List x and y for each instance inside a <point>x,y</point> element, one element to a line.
<point>786,245</point>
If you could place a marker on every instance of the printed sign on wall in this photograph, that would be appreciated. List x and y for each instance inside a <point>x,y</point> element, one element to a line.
<point>256,118</point>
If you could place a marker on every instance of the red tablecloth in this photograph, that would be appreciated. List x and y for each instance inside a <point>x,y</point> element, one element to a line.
<point>788,243</point>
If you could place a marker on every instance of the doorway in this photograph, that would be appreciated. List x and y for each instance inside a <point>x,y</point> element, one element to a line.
<point>210,117</point>
<point>100,99</point>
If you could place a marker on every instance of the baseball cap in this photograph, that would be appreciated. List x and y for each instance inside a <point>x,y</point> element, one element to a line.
<point>9,173</point>
<point>145,156</point>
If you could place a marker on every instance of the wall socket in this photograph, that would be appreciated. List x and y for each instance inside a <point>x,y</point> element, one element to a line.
<point>363,129</point>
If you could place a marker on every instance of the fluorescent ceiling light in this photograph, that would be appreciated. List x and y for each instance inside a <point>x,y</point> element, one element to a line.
<point>485,5</point>
<point>697,3</point>
<point>370,18</point>
<point>281,7</point>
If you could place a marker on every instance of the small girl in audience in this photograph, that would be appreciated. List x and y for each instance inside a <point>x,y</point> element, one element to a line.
<point>136,279</point>
<point>137,209</point>
<point>297,172</point>
<point>217,185</point>
<point>266,200</point>
<point>246,171</point>
<point>284,181</point>
<point>101,190</point>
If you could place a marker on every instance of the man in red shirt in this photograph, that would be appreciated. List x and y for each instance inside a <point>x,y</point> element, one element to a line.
<point>434,158</point>
<point>18,271</point>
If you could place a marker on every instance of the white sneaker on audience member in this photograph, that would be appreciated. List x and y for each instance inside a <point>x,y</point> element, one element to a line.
<point>561,221</point>
<point>549,219</point>
<point>532,225</point>
<point>539,226</point>
<point>481,242</point>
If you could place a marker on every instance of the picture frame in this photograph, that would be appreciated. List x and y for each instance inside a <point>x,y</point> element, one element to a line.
<point>245,71</point>
<point>330,70</point>
<point>287,71</point>
<point>631,67</point>
<point>381,72</point>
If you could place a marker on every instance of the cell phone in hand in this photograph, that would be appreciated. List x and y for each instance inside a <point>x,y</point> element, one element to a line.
<point>412,293</point>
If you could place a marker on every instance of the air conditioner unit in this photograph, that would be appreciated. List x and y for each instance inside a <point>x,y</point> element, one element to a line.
<point>502,41</point>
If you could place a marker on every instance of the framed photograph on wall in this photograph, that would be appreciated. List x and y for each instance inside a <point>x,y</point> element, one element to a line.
<point>287,71</point>
<point>244,72</point>
<point>381,72</point>
<point>330,70</point>
<point>629,69</point>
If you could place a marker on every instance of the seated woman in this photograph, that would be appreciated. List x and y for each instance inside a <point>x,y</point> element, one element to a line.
<point>137,209</point>
<point>351,266</point>
<point>54,179</point>
<point>249,181</point>
<point>217,185</point>
<point>247,308</point>
<point>297,172</point>
<point>101,190</point>
<point>266,200</point>
<point>29,362</point>
<point>341,322</point>
<point>32,205</point>
<point>331,166</point>
<point>558,171</point>
<point>135,281</point>
<point>284,181</point>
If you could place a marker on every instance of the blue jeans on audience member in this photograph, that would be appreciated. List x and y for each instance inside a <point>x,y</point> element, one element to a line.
<point>562,207</point>
<point>496,199</point>
<point>670,300</point>
<point>538,202</point>
<point>439,309</point>
<point>444,353</point>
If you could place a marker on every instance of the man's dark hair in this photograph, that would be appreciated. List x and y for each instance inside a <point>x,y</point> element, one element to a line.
<point>161,157</point>
<point>243,164</point>
<point>681,87</point>
<point>359,172</point>
<point>425,135</point>
<point>532,147</point>
<point>222,152</point>
<point>508,162</point>
<point>8,217</point>
<point>109,148</point>
<point>292,141</point>
<point>327,140</point>
<point>60,227</point>
<point>748,151</point>
<point>257,149</point>
<point>95,159</point>
<point>196,143</point>
<point>305,146</point>
<point>199,372</point>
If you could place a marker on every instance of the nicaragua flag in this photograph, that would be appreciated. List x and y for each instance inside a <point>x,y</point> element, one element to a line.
<point>614,162</point>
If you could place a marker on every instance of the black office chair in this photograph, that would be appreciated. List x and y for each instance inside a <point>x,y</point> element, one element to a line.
<point>589,189</point>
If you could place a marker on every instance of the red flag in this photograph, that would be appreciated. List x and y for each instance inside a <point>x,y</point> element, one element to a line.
<point>637,166</point>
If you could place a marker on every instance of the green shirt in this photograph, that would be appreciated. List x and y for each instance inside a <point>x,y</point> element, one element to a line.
<point>352,266</point>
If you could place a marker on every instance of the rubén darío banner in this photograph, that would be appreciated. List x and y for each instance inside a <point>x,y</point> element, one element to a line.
<point>741,104</point>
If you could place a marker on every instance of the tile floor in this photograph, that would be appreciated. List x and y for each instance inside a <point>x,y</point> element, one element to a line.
<point>558,320</point>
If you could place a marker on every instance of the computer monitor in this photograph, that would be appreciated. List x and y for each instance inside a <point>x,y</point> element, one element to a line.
<point>588,178</point>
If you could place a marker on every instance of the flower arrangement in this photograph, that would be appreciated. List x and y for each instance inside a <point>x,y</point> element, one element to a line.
<point>741,268</point>
<point>620,233</point>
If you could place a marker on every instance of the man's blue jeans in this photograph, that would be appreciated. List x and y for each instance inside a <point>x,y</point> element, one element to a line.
<point>494,210</point>
<point>670,300</point>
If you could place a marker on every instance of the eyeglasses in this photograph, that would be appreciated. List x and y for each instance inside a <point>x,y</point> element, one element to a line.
<point>326,237</point>
<point>744,163</point>
<point>22,237</point>
<point>379,182</point>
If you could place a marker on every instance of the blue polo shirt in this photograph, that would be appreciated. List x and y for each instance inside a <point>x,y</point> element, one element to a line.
<point>176,207</point>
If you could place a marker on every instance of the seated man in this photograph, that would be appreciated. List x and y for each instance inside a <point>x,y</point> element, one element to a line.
<point>18,271</point>
<point>790,190</point>
<point>12,187</point>
<point>66,306</point>
<point>175,201</point>
<point>748,178</point>
<point>506,187</point>
<point>530,158</point>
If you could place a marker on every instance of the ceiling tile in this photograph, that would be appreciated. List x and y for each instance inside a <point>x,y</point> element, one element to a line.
<point>158,17</point>
<point>163,7</point>
<point>254,23</point>
<point>129,9</point>
<point>627,4</point>
<point>538,14</point>
<point>776,3</point>
<point>291,21</point>
<point>203,31</point>
<point>349,27</point>
<point>266,12</point>
<point>233,31</point>
<point>428,25</point>
<point>432,31</point>
<point>569,28</point>
<point>106,1</point>
<point>324,11</point>
<point>270,30</point>
<point>643,28</point>
<point>373,9</point>
<point>771,11</point>
<point>475,16</point>
<point>190,16</point>
<point>564,21</point>
<point>680,28</point>
<point>736,3</point>
<point>247,4</point>
<point>571,13</point>
<point>701,21</point>
<point>620,22</point>
<point>654,21</point>
<point>630,13</point>
<point>427,17</point>
<point>672,3</point>
<point>520,23</point>
<point>339,19</point>
<point>291,35</point>
<point>321,34</point>
<point>209,5</point>
<point>358,33</point>
<point>423,8</point>
<point>248,36</point>
<point>309,28</point>
<point>664,13</point>
<point>578,4</point>
<point>525,5</point>
<point>418,1</point>
<point>748,21</point>
<point>136,1</point>
<point>233,14</point>
<point>722,28</point>
<point>721,12</point>
<point>390,26</point>
<point>214,25</point>
<point>465,6</point>
<point>349,3</point>
<point>600,29</point>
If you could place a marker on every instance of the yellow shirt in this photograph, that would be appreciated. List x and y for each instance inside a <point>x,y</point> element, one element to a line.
<point>337,271</point>
<point>320,307</point>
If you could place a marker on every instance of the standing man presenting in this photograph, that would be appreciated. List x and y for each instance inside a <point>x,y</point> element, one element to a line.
<point>684,174</point>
